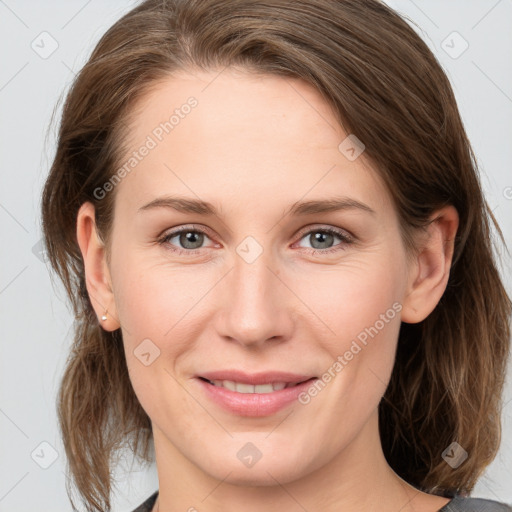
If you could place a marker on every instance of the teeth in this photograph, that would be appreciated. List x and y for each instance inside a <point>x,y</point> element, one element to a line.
<point>263,388</point>
<point>239,387</point>
<point>243,388</point>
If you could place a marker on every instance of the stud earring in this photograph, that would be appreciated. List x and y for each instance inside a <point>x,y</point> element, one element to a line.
<point>104,317</point>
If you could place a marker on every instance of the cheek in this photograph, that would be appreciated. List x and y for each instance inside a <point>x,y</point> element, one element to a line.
<point>353,296</point>
<point>152,304</point>
<point>359,305</point>
<point>362,312</point>
<point>150,299</point>
<point>158,307</point>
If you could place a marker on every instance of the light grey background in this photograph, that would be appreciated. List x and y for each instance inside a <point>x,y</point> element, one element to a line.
<point>36,325</point>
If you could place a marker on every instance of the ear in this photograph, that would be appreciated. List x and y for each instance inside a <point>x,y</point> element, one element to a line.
<point>97,274</point>
<point>430,270</point>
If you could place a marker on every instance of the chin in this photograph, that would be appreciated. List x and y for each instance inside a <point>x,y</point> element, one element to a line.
<point>279,467</point>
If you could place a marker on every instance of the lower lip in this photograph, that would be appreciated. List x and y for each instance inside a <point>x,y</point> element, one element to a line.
<point>254,404</point>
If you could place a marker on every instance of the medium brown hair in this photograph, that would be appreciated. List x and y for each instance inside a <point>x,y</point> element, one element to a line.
<point>386,87</point>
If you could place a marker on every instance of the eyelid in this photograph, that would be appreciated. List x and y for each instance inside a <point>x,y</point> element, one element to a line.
<point>342,233</point>
<point>183,227</point>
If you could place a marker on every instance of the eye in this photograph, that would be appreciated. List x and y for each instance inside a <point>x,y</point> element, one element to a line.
<point>189,240</point>
<point>321,239</point>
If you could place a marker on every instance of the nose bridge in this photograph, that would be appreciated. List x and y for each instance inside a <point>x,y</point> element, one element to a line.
<point>256,306</point>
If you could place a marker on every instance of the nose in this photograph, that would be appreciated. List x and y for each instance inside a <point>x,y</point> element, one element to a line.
<point>257,305</point>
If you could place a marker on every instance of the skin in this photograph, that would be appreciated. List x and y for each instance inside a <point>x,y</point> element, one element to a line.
<point>253,146</point>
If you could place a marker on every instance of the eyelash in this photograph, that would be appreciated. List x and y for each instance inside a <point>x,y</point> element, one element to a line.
<point>345,240</point>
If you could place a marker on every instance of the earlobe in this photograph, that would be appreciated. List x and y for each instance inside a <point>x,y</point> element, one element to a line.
<point>97,275</point>
<point>431,269</point>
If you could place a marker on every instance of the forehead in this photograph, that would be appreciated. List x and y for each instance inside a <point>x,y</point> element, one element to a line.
<point>232,134</point>
<point>237,104</point>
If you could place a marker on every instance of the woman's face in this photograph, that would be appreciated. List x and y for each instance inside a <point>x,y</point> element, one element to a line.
<point>253,289</point>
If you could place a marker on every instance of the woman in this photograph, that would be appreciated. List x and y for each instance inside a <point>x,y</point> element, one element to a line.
<point>268,220</point>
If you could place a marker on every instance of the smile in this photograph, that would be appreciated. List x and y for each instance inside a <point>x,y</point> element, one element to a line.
<point>262,394</point>
<point>241,387</point>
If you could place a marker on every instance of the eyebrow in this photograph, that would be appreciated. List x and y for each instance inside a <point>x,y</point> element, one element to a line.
<point>186,205</point>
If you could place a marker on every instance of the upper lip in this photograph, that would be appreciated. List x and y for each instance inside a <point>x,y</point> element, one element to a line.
<point>255,378</point>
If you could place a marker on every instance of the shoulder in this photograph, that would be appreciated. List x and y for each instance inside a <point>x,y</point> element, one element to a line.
<point>463,504</point>
<point>148,504</point>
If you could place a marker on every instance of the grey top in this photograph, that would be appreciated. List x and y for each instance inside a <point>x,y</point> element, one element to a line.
<point>460,503</point>
<point>457,504</point>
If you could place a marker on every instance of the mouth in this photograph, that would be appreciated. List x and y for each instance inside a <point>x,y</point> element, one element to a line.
<point>261,394</point>
<point>243,387</point>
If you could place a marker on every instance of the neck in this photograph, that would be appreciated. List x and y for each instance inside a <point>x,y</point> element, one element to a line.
<point>355,479</point>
